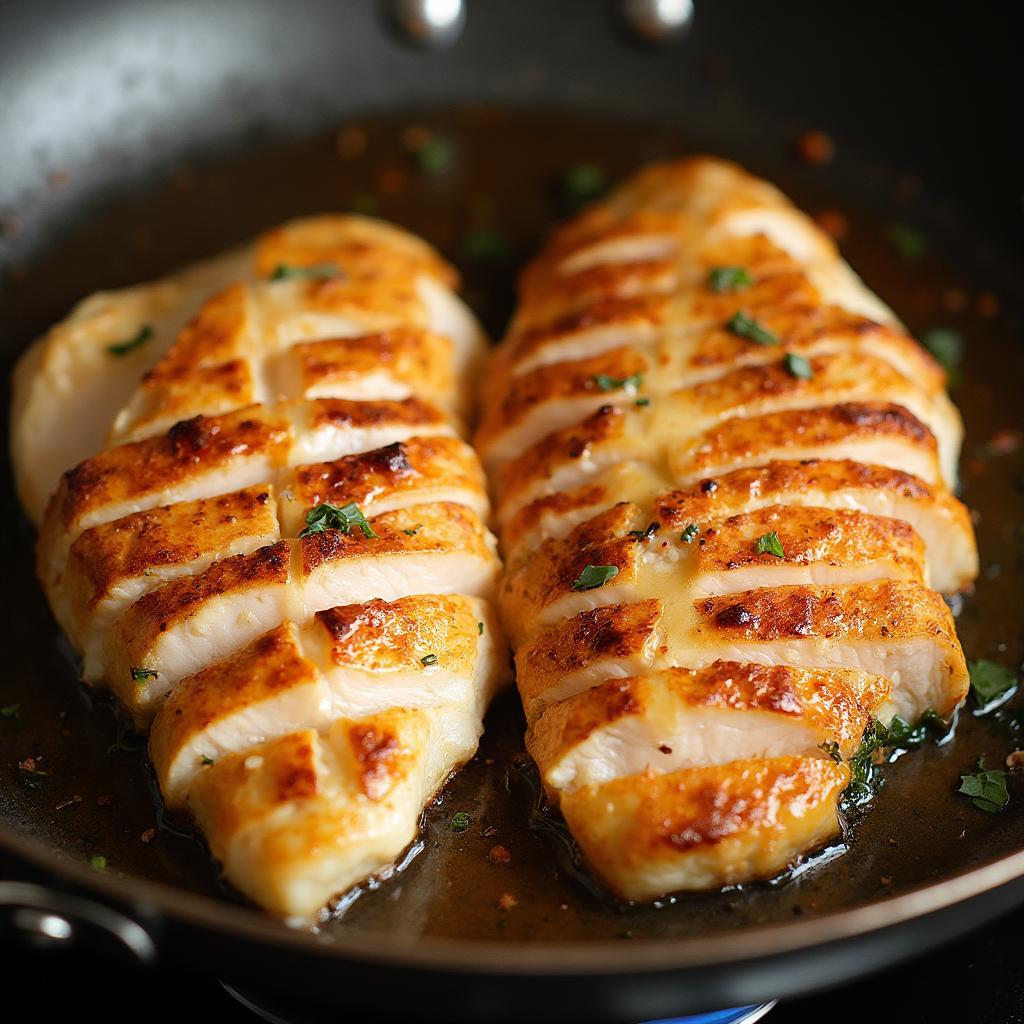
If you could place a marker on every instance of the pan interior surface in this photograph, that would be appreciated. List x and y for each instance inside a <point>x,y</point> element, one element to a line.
<point>484,188</point>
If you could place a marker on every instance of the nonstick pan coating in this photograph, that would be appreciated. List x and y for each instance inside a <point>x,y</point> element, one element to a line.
<point>442,918</point>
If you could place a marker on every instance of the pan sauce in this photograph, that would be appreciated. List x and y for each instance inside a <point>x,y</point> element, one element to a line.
<point>502,180</point>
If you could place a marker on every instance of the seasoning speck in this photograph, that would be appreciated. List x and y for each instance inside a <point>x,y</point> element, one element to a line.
<point>815,148</point>
<point>506,901</point>
<point>460,821</point>
<point>499,854</point>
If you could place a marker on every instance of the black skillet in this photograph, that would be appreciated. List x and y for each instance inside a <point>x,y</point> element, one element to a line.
<point>138,135</point>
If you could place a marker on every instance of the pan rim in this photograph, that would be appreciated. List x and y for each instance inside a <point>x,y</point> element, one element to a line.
<point>549,959</point>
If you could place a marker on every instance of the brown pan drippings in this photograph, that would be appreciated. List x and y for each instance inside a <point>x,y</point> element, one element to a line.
<point>504,184</point>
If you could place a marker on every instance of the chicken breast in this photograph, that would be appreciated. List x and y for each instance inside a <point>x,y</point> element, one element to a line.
<point>722,472</point>
<point>366,277</point>
<point>283,545</point>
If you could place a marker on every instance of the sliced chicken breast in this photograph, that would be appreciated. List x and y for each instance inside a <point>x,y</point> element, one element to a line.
<point>722,471</point>
<point>286,538</point>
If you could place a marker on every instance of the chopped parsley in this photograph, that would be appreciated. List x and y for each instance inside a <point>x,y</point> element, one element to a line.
<point>641,402</point>
<point>770,544</point>
<point>797,366</point>
<point>729,279</point>
<point>122,348</point>
<point>583,182</point>
<point>206,761</point>
<point>646,533</point>
<point>486,245</point>
<point>832,749</point>
<point>594,576</point>
<point>744,326</point>
<point>314,272</point>
<point>991,684</point>
<point>946,345</point>
<point>414,530</point>
<point>986,788</point>
<point>605,382</point>
<point>460,821</point>
<point>436,155</point>
<point>12,713</point>
<point>690,534</point>
<point>479,629</point>
<point>336,517</point>
<point>429,659</point>
<point>98,863</point>
<point>120,744</point>
<point>908,242</point>
<point>140,675</point>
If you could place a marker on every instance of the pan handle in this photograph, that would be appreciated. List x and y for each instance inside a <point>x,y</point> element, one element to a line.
<point>46,918</point>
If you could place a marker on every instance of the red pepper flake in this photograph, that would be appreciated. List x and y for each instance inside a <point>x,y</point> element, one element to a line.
<point>506,901</point>
<point>833,223</point>
<point>30,764</point>
<point>988,305</point>
<point>1003,442</point>
<point>390,181</point>
<point>351,143</point>
<point>955,300</point>
<point>815,148</point>
<point>500,854</point>
<point>149,835</point>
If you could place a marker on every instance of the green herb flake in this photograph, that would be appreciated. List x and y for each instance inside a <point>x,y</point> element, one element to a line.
<point>641,402</point>
<point>729,279</point>
<point>582,183</point>
<point>909,244</point>
<point>797,366</point>
<point>429,659</point>
<point>32,777</point>
<point>121,744</point>
<point>991,684</point>
<point>646,533</point>
<point>946,345</point>
<point>986,788</point>
<point>122,348</point>
<point>336,517</point>
<point>486,245</point>
<point>744,326</point>
<point>98,863</point>
<point>831,748</point>
<point>12,713</point>
<point>412,532</point>
<point>140,675</point>
<point>604,382</point>
<point>769,544</point>
<point>314,272</point>
<point>594,576</point>
<point>460,822</point>
<point>690,534</point>
<point>436,156</point>
<point>206,761</point>
<point>479,629</point>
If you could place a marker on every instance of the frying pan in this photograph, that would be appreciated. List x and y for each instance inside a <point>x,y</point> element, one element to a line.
<point>138,135</point>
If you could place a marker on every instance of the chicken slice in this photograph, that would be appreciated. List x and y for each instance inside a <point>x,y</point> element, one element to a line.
<point>351,661</point>
<point>702,828</point>
<point>685,718</point>
<point>190,623</point>
<point>112,566</point>
<point>412,472</point>
<point>815,546</point>
<point>870,432</point>
<point>554,398</point>
<point>303,818</point>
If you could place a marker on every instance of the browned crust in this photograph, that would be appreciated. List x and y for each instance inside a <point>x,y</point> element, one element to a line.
<point>341,412</point>
<point>381,636</point>
<point>889,609</point>
<point>203,443</point>
<point>598,634</point>
<point>171,535</point>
